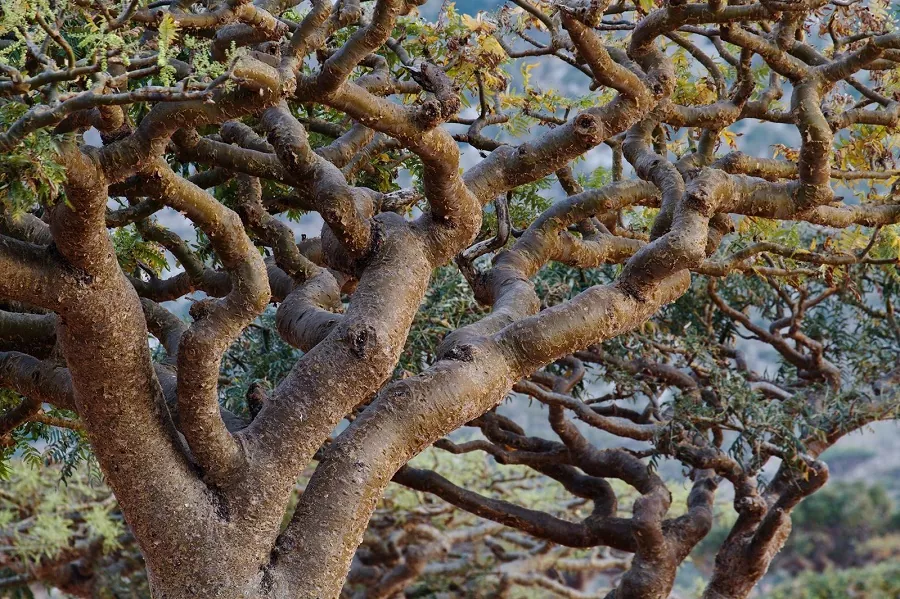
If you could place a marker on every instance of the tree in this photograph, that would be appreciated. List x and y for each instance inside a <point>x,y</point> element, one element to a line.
<point>234,113</point>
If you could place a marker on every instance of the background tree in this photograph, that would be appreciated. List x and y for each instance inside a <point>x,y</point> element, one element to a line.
<point>232,113</point>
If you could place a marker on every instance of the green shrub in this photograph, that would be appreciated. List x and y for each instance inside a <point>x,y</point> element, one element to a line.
<point>873,582</point>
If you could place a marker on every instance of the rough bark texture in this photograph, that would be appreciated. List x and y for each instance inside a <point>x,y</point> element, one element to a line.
<point>205,491</point>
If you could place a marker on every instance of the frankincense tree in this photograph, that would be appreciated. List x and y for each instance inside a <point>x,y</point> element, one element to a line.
<point>240,115</point>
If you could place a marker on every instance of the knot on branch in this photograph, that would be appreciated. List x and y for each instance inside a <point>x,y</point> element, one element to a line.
<point>202,309</point>
<point>464,352</point>
<point>361,338</point>
<point>590,128</point>
<point>663,84</point>
<point>700,201</point>
<point>429,114</point>
<point>753,507</point>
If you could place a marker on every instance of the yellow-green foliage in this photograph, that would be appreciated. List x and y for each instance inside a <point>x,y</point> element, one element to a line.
<point>40,516</point>
<point>30,173</point>
<point>133,252</point>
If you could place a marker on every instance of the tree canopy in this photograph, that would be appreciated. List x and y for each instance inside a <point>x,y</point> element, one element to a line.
<point>557,201</point>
